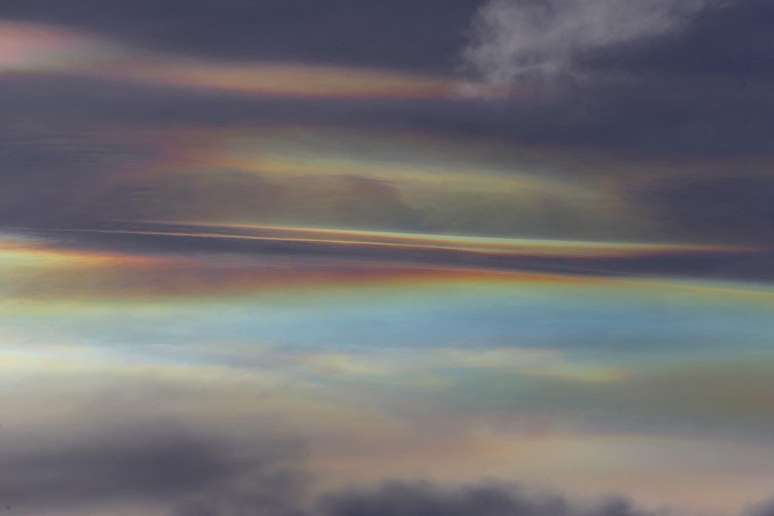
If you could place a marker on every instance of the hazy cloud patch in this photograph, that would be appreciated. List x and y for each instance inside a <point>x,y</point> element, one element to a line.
<point>512,40</point>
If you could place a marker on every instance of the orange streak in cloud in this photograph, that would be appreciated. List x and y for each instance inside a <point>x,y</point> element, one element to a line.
<point>45,273</point>
<point>188,278</point>
<point>291,80</point>
<point>45,48</point>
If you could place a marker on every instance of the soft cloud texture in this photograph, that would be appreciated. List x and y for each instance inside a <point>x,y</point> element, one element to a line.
<point>518,39</point>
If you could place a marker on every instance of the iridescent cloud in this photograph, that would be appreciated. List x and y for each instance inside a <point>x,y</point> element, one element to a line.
<point>250,266</point>
<point>48,49</point>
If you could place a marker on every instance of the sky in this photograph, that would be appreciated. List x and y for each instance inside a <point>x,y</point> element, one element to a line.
<point>386,258</point>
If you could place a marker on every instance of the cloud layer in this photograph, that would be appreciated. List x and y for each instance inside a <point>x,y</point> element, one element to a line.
<point>264,257</point>
<point>166,469</point>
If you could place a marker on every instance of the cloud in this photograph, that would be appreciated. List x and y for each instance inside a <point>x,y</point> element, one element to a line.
<point>517,39</point>
<point>51,49</point>
<point>183,471</point>
<point>731,206</point>
<point>143,261</point>
<point>386,35</point>
<point>764,509</point>
<point>219,457</point>
<point>407,499</point>
<point>420,499</point>
<point>146,463</point>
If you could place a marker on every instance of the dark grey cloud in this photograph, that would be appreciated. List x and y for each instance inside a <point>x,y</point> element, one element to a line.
<point>413,499</point>
<point>764,509</point>
<point>196,476</point>
<point>145,463</point>
<point>193,474</point>
<point>426,500</point>
<point>729,40</point>
<point>735,206</point>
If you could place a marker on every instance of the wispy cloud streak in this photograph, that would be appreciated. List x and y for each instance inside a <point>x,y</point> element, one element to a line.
<point>513,40</point>
<point>46,49</point>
